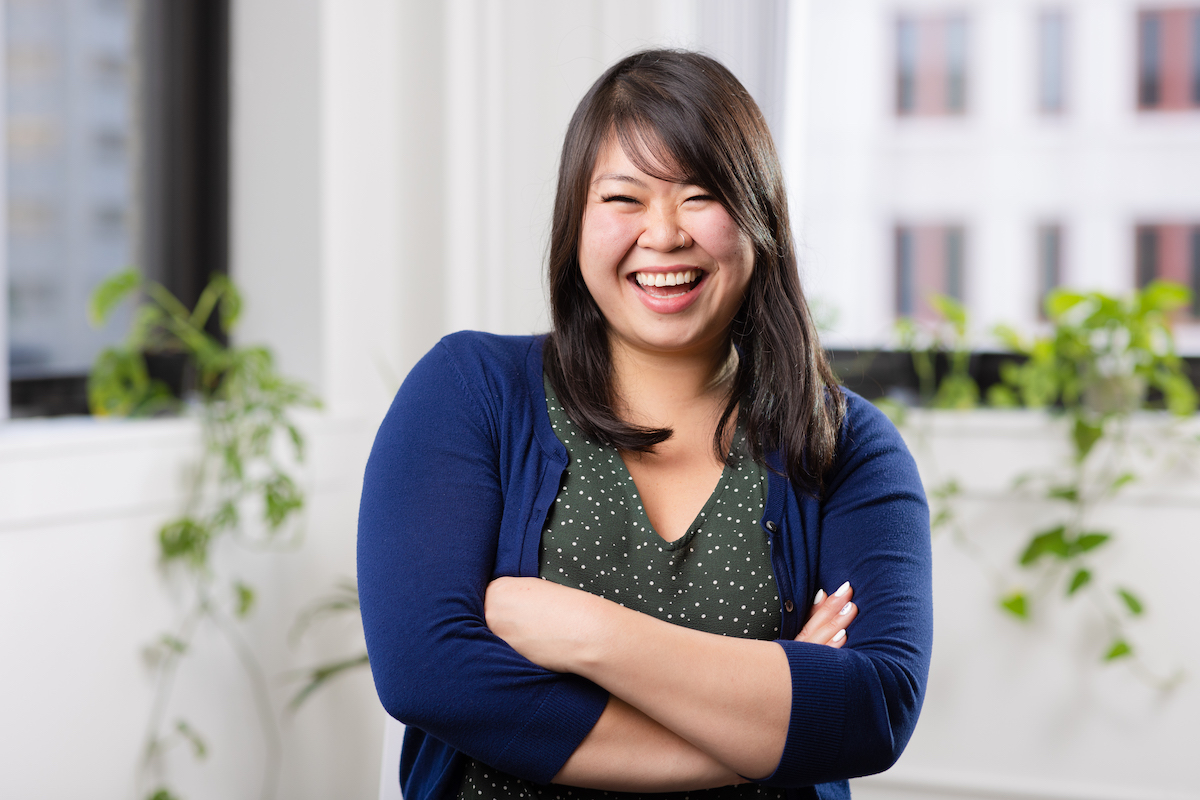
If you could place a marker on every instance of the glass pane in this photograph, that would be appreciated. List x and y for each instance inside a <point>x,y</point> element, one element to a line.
<point>954,262</point>
<point>1196,59</point>
<point>1195,282</point>
<point>1051,43</point>
<point>956,64</point>
<point>1049,262</point>
<point>71,152</point>
<point>906,66</point>
<point>1149,59</point>
<point>1147,254</point>
<point>905,272</point>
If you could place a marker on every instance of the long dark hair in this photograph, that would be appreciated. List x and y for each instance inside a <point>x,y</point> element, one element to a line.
<point>681,116</point>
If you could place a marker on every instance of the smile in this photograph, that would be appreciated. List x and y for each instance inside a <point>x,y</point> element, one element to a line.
<point>652,282</point>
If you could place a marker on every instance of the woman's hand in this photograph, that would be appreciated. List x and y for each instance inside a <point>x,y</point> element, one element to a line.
<point>829,618</point>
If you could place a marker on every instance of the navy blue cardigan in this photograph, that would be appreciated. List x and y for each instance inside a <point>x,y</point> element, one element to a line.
<point>462,473</point>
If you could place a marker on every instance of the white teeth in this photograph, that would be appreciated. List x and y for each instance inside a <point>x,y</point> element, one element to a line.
<point>666,278</point>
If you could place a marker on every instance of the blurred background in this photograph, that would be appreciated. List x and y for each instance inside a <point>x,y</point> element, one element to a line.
<point>374,174</point>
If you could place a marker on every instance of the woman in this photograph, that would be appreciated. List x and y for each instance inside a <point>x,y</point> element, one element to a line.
<point>677,463</point>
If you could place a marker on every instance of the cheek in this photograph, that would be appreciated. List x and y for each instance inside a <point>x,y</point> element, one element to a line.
<point>603,242</point>
<point>726,242</point>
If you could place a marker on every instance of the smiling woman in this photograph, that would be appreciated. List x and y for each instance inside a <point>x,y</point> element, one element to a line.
<point>586,559</point>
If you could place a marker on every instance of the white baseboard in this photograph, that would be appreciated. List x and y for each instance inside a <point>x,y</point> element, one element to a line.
<point>911,785</point>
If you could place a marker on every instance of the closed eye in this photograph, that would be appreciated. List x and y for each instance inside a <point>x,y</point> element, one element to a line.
<point>616,198</point>
<point>702,197</point>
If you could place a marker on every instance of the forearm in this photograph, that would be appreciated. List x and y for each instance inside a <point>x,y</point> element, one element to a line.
<point>651,757</point>
<point>729,697</point>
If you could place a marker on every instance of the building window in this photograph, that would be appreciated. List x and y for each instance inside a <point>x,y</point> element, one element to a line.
<point>929,260</point>
<point>1168,59</point>
<point>931,65</point>
<point>116,120</point>
<point>1051,47</point>
<point>1049,262</point>
<point>1169,252</point>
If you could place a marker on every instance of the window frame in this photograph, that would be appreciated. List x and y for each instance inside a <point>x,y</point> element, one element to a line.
<point>184,185</point>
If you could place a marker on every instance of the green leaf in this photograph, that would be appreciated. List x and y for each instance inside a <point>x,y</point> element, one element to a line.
<point>184,539</point>
<point>173,643</point>
<point>1000,396</point>
<point>282,498</point>
<point>1131,602</point>
<point>108,295</point>
<point>1068,493</point>
<point>1121,481</point>
<point>896,411</point>
<point>245,599</point>
<point>1051,542</point>
<point>1089,541</point>
<point>1060,301</point>
<point>957,392</point>
<point>319,676</point>
<point>1016,604</point>
<point>1080,579</point>
<point>199,748</point>
<point>1119,648</point>
<point>1164,296</point>
<point>162,793</point>
<point>941,518</point>
<point>120,386</point>
<point>1010,337</point>
<point>1085,435</point>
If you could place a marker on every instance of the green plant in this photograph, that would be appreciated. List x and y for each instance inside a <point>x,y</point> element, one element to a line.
<point>1096,366</point>
<point>241,490</point>
<point>343,600</point>
<point>946,337</point>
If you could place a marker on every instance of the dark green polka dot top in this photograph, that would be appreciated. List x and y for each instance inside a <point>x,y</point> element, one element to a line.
<point>715,578</point>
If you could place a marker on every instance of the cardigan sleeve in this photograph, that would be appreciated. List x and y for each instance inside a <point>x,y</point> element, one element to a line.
<point>854,708</point>
<point>428,529</point>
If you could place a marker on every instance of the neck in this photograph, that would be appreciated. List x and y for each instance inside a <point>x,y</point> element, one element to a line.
<point>653,387</point>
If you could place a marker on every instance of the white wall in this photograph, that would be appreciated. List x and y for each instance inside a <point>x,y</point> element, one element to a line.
<point>1001,169</point>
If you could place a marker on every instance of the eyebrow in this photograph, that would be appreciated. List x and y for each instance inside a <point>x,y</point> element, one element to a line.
<point>616,176</point>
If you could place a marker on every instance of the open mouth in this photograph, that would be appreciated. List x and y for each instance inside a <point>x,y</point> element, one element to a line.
<point>668,284</point>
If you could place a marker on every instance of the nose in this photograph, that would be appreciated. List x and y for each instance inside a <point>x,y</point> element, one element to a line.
<point>663,233</point>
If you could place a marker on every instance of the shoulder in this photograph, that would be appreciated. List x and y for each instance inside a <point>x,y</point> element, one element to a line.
<point>479,361</point>
<point>868,438</point>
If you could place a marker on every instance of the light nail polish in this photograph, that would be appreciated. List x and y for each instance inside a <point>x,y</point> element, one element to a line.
<point>845,587</point>
<point>819,598</point>
<point>837,637</point>
<point>846,609</point>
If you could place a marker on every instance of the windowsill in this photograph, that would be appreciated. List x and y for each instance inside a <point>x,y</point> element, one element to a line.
<point>78,471</point>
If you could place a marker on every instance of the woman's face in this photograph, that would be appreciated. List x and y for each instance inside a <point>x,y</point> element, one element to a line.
<point>665,262</point>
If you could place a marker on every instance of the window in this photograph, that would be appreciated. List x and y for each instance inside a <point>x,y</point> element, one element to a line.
<point>931,65</point>
<point>930,259</point>
<point>1049,262</point>
<point>1169,252</point>
<point>1168,59</point>
<point>1051,73</point>
<point>115,112</point>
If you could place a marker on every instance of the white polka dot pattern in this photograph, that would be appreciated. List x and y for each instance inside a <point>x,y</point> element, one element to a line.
<point>717,577</point>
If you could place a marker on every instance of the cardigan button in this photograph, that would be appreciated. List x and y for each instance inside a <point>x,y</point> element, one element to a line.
<point>771,526</point>
<point>788,607</point>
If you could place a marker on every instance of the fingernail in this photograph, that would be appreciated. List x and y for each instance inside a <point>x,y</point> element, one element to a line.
<point>845,609</point>
<point>819,598</point>
<point>845,587</point>
<point>837,637</point>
